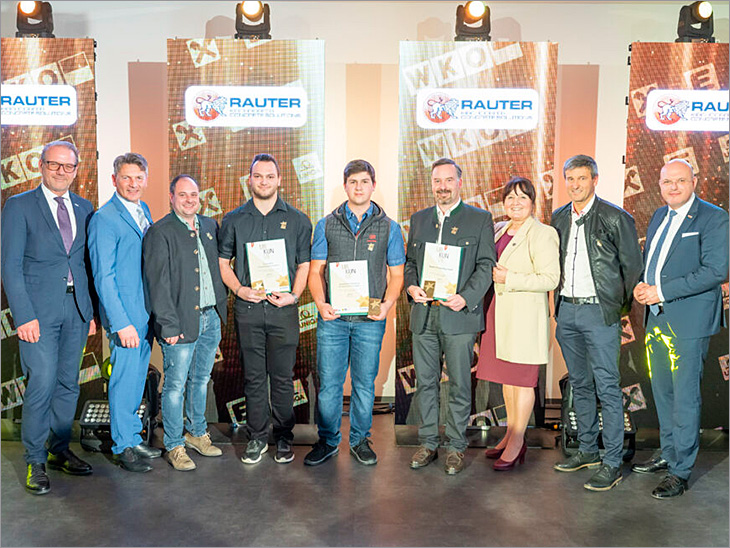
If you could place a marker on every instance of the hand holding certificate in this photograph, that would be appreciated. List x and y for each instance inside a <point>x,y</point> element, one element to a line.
<point>267,266</point>
<point>440,275</point>
<point>349,288</point>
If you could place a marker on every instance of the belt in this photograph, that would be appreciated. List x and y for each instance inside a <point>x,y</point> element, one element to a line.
<point>205,309</point>
<point>69,289</point>
<point>433,303</point>
<point>580,300</point>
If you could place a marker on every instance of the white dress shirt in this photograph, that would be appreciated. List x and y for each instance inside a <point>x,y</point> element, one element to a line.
<point>53,205</point>
<point>673,229</point>
<point>578,280</point>
<point>442,216</point>
<point>134,211</point>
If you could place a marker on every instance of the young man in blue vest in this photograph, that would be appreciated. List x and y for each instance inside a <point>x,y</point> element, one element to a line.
<point>358,229</point>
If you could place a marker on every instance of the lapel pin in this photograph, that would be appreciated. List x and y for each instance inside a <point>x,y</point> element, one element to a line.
<point>283,225</point>
<point>209,236</point>
<point>454,230</point>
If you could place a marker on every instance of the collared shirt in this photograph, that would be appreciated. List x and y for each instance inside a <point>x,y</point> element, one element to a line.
<point>53,205</point>
<point>578,281</point>
<point>134,210</point>
<point>442,216</point>
<point>207,293</point>
<point>395,255</point>
<point>673,229</point>
<point>247,224</point>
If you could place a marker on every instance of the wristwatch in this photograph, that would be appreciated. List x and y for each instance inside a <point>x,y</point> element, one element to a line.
<point>296,299</point>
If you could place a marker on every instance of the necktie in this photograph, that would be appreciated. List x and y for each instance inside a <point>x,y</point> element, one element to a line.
<point>651,270</point>
<point>64,225</point>
<point>142,219</point>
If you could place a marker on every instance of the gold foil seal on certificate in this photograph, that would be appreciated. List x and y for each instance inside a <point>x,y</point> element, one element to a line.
<point>374,307</point>
<point>429,287</point>
<point>258,285</point>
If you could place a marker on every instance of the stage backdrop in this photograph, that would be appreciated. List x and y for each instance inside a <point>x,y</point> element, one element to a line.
<point>490,106</point>
<point>660,128</point>
<point>68,65</point>
<point>246,97</point>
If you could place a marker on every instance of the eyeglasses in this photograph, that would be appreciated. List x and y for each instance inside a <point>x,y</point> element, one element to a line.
<point>55,166</point>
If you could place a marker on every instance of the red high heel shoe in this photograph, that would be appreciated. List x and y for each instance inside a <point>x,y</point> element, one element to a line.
<point>503,465</point>
<point>493,453</point>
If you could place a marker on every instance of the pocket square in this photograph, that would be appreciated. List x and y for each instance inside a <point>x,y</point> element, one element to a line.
<point>688,234</point>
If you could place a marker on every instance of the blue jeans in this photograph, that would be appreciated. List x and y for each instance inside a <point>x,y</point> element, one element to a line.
<point>342,343</point>
<point>187,372</point>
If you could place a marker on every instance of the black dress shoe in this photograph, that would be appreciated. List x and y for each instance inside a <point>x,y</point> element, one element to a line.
<point>147,452</point>
<point>654,464</point>
<point>671,486</point>
<point>67,462</point>
<point>132,462</point>
<point>37,481</point>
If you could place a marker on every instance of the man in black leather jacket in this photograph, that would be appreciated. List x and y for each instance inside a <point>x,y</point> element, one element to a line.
<point>600,265</point>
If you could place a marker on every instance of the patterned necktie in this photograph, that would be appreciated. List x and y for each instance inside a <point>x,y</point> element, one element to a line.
<point>651,270</point>
<point>142,219</point>
<point>64,225</point>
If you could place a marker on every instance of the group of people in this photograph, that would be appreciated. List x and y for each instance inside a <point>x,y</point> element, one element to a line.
<point>66,268</point>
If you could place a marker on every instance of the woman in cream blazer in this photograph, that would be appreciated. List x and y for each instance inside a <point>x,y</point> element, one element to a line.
<point>517,336</point>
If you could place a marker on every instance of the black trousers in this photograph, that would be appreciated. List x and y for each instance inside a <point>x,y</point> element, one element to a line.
<point>268,337</point>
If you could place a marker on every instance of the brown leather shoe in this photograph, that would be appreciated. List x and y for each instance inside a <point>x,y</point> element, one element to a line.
<point>454,462</point>
<point>423,457</point>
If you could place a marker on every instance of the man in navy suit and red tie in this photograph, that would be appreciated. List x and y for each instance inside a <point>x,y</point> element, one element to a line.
<point>45,276</point>
<point>686,258</point>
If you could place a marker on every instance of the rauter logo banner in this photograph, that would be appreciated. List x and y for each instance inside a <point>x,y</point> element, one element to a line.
<point>477,108</point>
<point>246,106</point>
<point>38,105</point>
<point>687,110</point>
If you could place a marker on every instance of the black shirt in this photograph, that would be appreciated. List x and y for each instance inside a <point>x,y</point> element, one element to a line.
<point>247,224</point>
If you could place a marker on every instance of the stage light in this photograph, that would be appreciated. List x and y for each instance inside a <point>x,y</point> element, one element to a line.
<point>35,19</point>
<point>251,12</point>
<point>469,14</point>
<point>696,23</point>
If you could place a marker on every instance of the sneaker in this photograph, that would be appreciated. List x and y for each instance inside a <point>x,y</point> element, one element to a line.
<point>284,451</point>
<point>254,451</point>
<point>454,462</point>
<point>423,457</point>
<point>606,478</point>
<point>179,459</point>
<point>364,453</point>
<point>577,461</point>
<point>202,445</point>
<point>320,452</point>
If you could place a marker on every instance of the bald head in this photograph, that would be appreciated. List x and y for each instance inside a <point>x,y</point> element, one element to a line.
<point>677,183</point>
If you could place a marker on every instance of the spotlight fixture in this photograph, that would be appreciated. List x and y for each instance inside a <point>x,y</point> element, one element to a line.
<point>467,16</point>
<point>696,23</point>
<point>248,13</point>
<point>35,20</point>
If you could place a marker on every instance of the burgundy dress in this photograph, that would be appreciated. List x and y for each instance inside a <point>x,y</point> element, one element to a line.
<point>490,368</point>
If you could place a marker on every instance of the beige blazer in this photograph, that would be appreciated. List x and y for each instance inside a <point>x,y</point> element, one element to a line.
<point>522,322</point>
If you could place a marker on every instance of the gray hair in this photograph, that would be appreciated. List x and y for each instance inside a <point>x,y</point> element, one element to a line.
<point>64,144</point>
<point>581,160</point>
<point>130,158</point>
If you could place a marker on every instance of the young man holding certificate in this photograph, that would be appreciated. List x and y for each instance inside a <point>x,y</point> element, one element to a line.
<point>355,279</point>
<point>448,271</point>
<point>270,241</point>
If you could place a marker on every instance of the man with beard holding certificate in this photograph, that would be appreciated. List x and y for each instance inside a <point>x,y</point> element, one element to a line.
<point>448,271</point>
<point>355,279</point>
<point>270,240</point>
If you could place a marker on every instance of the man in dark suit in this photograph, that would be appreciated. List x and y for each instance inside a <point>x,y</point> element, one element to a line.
<point>448,327</point>
<point>686,257</point>
<point>115,248</point>
<point>44,272</point>
<point>188,301</point>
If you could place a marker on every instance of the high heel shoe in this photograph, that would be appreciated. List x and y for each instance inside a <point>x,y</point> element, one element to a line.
<point>503,465</point>
<point>493,453</point>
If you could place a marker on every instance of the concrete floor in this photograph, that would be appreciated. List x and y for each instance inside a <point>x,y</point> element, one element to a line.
<point>342,503</point>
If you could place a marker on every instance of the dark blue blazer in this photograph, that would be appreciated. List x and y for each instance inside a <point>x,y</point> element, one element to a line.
<point>34,260</point>
<point>696,265</point>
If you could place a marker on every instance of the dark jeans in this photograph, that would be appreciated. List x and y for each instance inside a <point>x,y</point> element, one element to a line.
<point>268,337</point>
<point>51,369</point>
<point>675,367</point>
<point>591,351</point>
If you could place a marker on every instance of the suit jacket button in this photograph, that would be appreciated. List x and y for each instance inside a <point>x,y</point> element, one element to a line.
<point>197,288</point>
<point>197,307</point>
<point>192,234</point>
<point>195,251</point>
<point>197,269</point>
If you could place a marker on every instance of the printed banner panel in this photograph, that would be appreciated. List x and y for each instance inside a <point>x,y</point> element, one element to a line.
<point>228,101</point>
<point>678,99</point>
<point>48,93</point>
<point>490,106</point>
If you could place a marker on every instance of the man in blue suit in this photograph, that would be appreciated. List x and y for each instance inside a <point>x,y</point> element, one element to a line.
<point>44,273</point>
<point>115,247</point>
<point>686,258</point>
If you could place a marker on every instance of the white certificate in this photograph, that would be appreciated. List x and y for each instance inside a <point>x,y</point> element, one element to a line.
<point>349,289</point>
<point>267,266</point>
<point>440,274</point>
